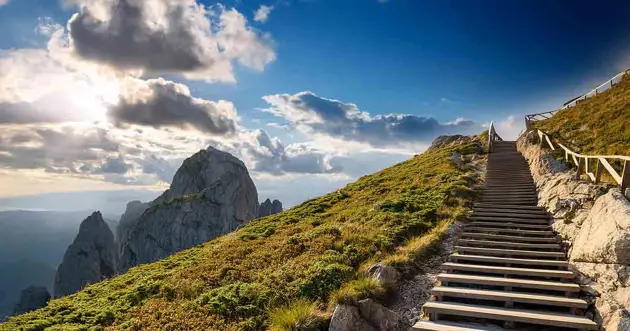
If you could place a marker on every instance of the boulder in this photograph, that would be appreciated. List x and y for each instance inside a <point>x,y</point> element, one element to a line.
<point>211,194</point>
<point>32,298</point>
<point>348,318</point>
<point>89,259</point>
<point>386,275</point>
<point>378,315</point>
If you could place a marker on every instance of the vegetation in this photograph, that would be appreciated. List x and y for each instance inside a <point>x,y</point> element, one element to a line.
<point>597,125</point>
<point>279,271</point>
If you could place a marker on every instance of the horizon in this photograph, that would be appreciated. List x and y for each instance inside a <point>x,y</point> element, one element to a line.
<point>310,95</point>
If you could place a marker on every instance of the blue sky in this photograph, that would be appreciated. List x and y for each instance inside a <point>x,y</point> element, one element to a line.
<point>361,62</point>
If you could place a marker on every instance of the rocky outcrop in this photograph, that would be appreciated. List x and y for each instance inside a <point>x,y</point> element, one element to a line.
<point>366,315</point>
<point>594,222</point>
<point>32,298</point>
<point>211,194</point>
<point>89,259</point>
<point>128,221</point>
<point>269,208</point>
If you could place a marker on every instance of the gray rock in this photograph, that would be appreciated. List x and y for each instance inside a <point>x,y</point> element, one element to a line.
<point>89,259</point>
<point>348,318</point>
<point>32,298</point>
<point>211,194</point>
<point>386,275</point>
<point>128,221</point>
<point>269,208</point>
<point>378,315</point>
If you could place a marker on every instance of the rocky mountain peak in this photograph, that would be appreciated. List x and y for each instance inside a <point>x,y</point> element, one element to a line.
<point>90,258</point>
<point>32,298</point>
<point>269,208</point>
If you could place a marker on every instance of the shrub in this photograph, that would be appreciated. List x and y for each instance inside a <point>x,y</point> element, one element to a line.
<point>359,289</point>
<point>300,315</point>
<point>235,301</point>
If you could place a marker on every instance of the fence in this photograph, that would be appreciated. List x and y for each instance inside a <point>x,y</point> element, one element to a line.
<point>601,88</point>
<point>492,137</point>
<point>603,162</point>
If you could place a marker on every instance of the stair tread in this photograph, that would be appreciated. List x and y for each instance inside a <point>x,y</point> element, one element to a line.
<point>517,252</point>
<point>452,326</point>
<point>496,259</point>
<point>510,296</point>
<point>508,237</point>
<point>509,219</point>
<point>509,270</point>
<point>513,282</point>
<point>513,215</point>
<point>491,229</point>
<point>509,224</point>
<point>508,314</point>
<point>503,206</point>
<point>509,244</point>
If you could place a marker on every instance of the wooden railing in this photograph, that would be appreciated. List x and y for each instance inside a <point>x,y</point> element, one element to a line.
<point>582,163</point>
<point>537,117</point>
<point>608,84</point>
<point>492,137</point>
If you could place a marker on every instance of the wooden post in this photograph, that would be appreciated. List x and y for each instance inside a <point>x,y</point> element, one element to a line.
<point>598,171</point>
<point>625,177</point>
<point>580,167</point>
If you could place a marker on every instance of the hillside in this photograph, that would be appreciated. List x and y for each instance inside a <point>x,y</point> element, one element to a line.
<point>597,125</point>
<point>298,257</point>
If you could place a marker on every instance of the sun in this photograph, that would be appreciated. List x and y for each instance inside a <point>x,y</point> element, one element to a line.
<point>92,98</point>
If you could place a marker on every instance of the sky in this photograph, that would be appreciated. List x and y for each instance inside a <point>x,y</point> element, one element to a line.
<point>101,101</point>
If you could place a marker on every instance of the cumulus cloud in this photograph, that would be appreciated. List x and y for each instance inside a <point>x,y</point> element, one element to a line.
<point>316,115</point>
<point>167,36</point>
<point>262,14</point>
<point>159,103</point>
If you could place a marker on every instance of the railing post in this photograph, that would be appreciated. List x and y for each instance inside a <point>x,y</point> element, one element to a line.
<point>598,171</point>
<point>580,167</point>
<point>625,178</point>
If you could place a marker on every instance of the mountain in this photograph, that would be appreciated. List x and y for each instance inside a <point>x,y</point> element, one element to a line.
<point>269,208</point>
<point>32,298</point>
<point>211,194</point>
<point>18,275</point>
<point>304,254</point>
<point>90,259</point>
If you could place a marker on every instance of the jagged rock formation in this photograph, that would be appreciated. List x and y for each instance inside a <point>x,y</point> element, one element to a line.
<point>32,298</point>
<point>89,259</point>
<point>211,194</point>
<point>128,221</point>
<point>594,220</point>
<point>269,208</point>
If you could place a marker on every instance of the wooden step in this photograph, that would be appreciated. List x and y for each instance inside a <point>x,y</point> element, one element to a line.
<point>508,282</point>
<point>498,237</point>
<point>508,244</point>
<point>565,274</point>
<point>510,210</point>
<point>509,225</point>
<point>506,314</point>
<point>510,215</point>
<point>508,296</point>
<point>452,326</point>
<point>509,219</point>
<point>493,206</point>
<point>505,230</point>
<point>509,260</point>
<point>511,252</point>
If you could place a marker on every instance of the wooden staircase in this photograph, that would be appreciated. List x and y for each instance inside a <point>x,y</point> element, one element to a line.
<point>509,272</point>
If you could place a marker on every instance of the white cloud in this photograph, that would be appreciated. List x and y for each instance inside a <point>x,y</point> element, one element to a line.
<point>509,128</point>
<point>167,36</point>
<point>262,14</point>
<point>3,2</point>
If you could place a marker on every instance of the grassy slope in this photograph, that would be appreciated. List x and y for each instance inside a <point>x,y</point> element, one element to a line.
<point>598,125</point>
<point>307,252</point>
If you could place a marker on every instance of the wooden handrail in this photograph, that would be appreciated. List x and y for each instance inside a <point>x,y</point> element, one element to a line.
<point>603,162</point>
<point>492,137</point>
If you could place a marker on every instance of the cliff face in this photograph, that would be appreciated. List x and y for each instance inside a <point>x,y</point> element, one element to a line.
<point>594,220</point>
<point>128,221</point>
<point>89,259</point>
<point>211,194</point>
<point>32,298</point>
<point>269,208</point>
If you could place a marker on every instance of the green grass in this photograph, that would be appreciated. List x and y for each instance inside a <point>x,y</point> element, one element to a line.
<point>301,315</point>
<point>597,125</point>
<point>362,288</point>
<point>301,255</point>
